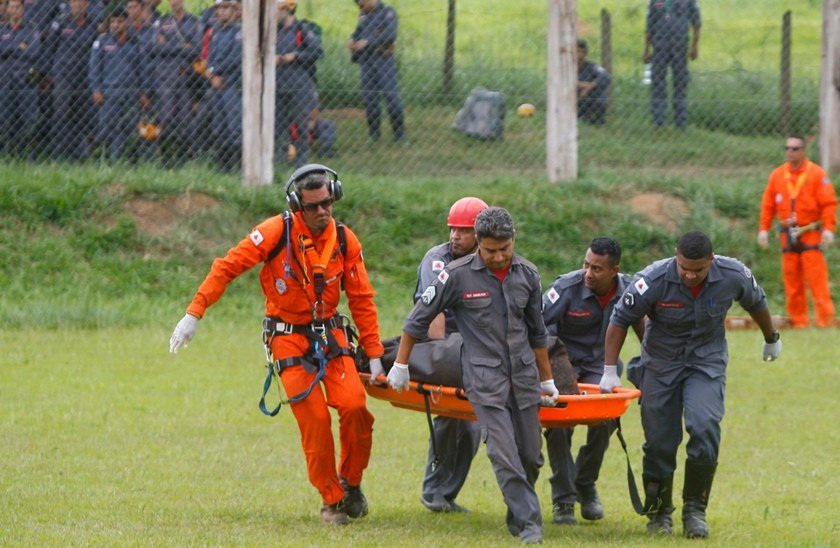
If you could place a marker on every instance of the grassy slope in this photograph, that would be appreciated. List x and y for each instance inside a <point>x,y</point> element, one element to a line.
<point>76,255</point>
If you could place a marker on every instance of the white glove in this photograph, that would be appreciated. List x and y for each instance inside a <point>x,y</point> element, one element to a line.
<point>548,393</point>
<point>771,351</point>
<point>827,238</point>
<point>609,379</point>
<point>184,333</point>
<point>398,377</point>
<point>762,238</point>
<point>375,369</point>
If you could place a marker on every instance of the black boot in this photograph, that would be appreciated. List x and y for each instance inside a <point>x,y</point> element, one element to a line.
<point>698,482</point>
<point>659,504</point>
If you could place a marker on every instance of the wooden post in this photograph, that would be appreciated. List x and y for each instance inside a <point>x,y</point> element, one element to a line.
<point>561,96</point>
<point>268,45</point>
<point>259,36</point>
<point>784,84</point>
<point>449,50</point>
<point>606,49</point>
<point>829,139</point>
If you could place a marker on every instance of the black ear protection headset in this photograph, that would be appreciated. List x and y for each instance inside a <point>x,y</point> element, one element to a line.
<point>293,196</point>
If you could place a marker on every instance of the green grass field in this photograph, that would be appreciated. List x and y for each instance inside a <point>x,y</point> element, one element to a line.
<point>109,440</point>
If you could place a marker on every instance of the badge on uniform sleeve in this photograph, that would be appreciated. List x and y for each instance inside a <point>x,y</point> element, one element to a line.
<point>428,295</point>
<point>437,266</point>
<point>628,300</point>
<point>256,237</point>
<point>280,286</point>
<point>443,276</point>
<point>552,295</point>
<point>641,286</point>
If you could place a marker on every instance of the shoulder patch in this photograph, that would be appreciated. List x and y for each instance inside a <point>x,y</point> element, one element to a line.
<point>428,296</point>
<point>437,266</point>
<point>641,286</point>
<point>443,276</point>
<point>552,295</point>
<point>629,300</point>
<point>256,237</point>
<point>747,272</point>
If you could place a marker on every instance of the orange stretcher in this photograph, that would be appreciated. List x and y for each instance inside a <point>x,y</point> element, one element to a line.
<point>588,407</point>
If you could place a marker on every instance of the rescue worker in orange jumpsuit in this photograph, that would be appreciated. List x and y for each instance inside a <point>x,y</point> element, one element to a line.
<point>306,261</point>
<point>801,195</point>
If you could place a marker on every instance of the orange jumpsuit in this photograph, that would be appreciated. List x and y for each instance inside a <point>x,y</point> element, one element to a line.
<point>798,198</point>
<point>290,298</point>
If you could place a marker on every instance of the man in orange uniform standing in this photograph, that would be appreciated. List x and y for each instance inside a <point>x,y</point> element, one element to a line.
<point>801,195</point>
<point>307,257</point>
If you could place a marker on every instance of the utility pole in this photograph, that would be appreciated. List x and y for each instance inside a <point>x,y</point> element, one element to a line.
<point>561,96</point>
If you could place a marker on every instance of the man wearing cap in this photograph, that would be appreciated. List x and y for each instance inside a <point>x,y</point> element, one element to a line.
<point>19,47</point>
<point>455,440</point>
<point>68,45</point>
<point>117,76</point>
<point>373,47</point>
<point>298,48</point>
<point>175,44</point>
<point>224,72</point>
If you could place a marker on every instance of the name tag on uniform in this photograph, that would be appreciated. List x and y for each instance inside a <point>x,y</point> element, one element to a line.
<point>578,313</point>
<point>475,295</point>
<point>670,304</point>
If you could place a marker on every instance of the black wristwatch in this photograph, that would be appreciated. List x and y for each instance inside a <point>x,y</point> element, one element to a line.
<point>774,336</point>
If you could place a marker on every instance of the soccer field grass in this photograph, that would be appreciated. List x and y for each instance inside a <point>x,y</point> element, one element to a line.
<point>108,439</point>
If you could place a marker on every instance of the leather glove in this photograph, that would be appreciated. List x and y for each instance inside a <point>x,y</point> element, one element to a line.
<point>375,370</point>
<point>762,238</point>
<point>184,333</point>
<point>548,393</point>
<point>771,351</point>
<point>827,238</point>
<point>398,377</point>
<point>609,379</point>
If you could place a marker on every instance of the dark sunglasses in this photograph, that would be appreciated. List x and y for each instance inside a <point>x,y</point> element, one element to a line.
<point>794,149</point>
<point>325,203</point>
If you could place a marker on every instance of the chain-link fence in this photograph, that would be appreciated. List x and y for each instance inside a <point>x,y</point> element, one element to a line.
<point>85,80</point>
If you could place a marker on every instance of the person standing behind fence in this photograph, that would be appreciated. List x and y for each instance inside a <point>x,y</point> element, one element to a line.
<point>456,440</point>
<point>224,98</point>
<point>373,47</point>
<point>666,30</point>
<point>116,75</point>
<point>495,298</point>
<point>175,44</point>
<point>298,48</point>
<point>801,195</point>
<point>577,308</point>
<point>682,370</point>
<point>68,44</point>
<point>593,84</point>
<point>20,46</point>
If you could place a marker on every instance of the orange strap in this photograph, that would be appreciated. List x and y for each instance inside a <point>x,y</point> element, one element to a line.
<point>795,187</point>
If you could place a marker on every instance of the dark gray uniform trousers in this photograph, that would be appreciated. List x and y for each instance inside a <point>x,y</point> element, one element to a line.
<point>692,395</point>
<point>514,447</point>
<point>456,441</point>
<point>566,474</point>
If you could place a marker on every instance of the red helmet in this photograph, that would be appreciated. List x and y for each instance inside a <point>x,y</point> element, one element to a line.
<point>462,214</point>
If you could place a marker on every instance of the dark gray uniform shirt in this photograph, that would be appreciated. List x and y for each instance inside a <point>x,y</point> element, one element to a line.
<point>433,262</point>
<point>500,322</point>
<point>683,331</point>
<point>668,21</point>
<point>573,312</point>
